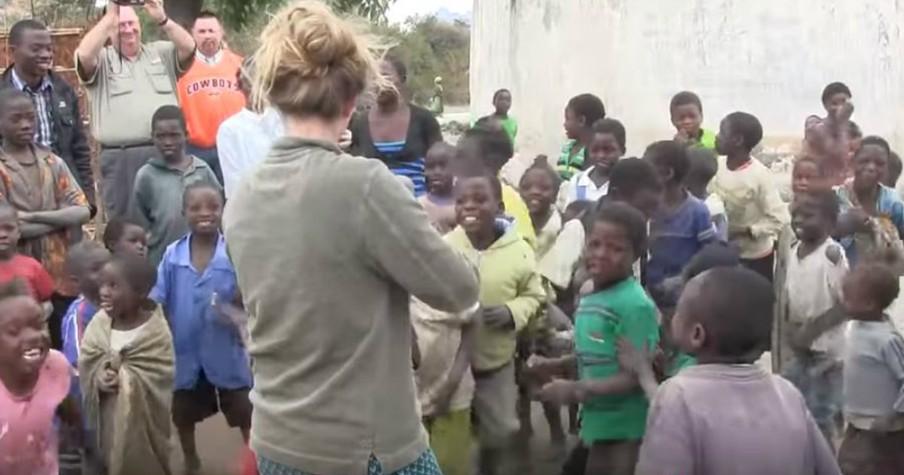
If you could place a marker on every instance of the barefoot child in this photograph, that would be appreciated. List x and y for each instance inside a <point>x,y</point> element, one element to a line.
<point>439,202</point>
<point>607,146</point>
<point>681,227</point>
<point>614,408</point>
<point>124,236</point>
<point>34,383</point>
<point>815,270</point>
<point>873,376</point>
<point>511,293</point>
<point>212,368</point>
<point>753,206</point>
<point>686,111</point>
<point>126,371</point>
<point>726,415</point>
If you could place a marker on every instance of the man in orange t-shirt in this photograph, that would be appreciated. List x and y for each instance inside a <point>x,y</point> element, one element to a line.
<point>208,92</point>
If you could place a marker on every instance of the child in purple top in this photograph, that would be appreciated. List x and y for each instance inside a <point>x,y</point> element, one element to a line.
<point>680,228</point>
<point>726,416</point>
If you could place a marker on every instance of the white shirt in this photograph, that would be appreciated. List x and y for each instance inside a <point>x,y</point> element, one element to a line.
<point>814,286</point>
<point>580,188</point>
<point>120,338</point>
<point>243,141</point>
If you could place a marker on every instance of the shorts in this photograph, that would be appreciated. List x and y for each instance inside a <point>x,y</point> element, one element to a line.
<point>613,457</point>
<point>191,406</point>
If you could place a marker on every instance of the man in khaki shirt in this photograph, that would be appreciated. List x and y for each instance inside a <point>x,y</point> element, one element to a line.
<point>127,82</point>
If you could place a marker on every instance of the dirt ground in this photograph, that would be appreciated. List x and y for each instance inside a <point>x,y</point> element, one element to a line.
<point>221,449</point>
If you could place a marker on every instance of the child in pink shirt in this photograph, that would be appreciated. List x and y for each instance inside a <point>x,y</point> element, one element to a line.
<point>35,382</point>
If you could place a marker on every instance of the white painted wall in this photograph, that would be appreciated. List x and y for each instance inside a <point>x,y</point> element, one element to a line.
<point>768,57</point>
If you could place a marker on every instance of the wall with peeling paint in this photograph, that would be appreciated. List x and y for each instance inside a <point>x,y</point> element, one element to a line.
<point>768,57</point>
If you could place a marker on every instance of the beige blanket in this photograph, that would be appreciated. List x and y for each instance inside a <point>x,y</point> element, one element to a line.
<point>138,414</point>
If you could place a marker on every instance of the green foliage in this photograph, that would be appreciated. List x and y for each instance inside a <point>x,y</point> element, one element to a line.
<point>242,13</point>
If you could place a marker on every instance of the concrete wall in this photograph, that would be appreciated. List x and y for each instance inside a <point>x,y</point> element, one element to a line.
<point>768,57</point>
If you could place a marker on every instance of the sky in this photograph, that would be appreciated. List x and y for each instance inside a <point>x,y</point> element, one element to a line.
<point>402,9</point>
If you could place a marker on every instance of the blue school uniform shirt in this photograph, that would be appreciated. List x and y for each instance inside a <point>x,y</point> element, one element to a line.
<point>72,327</point>
<point>674,239</point>
<point>203,339</point>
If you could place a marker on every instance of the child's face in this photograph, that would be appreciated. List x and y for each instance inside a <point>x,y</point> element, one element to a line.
<point>437,171</point>
<point>9,232</point>
<point>24,339</point>
<point>870,165</point>
<point>836,103</point>
<point>476,208</point>
<point>604,151</point>
<point>503,102</point>
<point>538,190</point>
<point>687,118</point>
<point>134,240</point>
<point>857,301</point>
<point>645,200</point>
<point>203,210</point>
<point>118,296</point>
<point>17,122</point>
<point>169,138</point>
<point>89,281</point>
<point>806,177</point>
<point>573,124</point>
<point>726,142</point>
<point>807,221</point>
<point>685,332</point>
<point>608,253</point>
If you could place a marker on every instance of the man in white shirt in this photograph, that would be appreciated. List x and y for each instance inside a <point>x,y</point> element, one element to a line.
<point>244,139</point>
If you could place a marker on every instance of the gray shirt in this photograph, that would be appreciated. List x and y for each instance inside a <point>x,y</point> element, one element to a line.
<point>124,94</point>
<point>873,370</point>
<point>327,249</point>
<point>156,201</point>
<point>732,420</point>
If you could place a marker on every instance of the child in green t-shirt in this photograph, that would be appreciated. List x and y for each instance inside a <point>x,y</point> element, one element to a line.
<point>502,103</point>
<point>686,111</point>
<point>613,405</point>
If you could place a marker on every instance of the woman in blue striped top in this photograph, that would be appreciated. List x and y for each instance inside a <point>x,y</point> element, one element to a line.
<point>395,131</point>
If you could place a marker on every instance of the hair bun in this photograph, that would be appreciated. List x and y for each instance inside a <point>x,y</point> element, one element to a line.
<point>317,40</point>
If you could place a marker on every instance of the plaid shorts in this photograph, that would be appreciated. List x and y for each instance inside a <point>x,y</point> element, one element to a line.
<point>425,465</point>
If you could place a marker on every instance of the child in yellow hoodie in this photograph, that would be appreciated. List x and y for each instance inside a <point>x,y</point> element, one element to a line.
<point>511,292</point>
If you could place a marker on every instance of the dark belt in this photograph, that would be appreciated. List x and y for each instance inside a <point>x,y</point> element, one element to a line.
<point>125,147</point>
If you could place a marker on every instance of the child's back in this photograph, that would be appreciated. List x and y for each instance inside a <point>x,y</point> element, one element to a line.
<point>732,419</point>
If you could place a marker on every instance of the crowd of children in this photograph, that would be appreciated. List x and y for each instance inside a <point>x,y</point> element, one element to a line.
<point>640,293</point>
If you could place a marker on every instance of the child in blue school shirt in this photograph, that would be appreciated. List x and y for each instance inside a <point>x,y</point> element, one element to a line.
<point>679,229</point>
<point>194,279</point>
<point>83,264</point>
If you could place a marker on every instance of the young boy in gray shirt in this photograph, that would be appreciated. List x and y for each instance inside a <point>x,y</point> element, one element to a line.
<point>726,416</point>
<point>873,376</point>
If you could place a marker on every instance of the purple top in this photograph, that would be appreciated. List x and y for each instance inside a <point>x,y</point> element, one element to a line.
<point>732,420</point>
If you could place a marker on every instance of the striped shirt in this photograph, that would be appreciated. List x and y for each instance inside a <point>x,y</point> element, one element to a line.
<point>413,169</point>
<point>43,101</point>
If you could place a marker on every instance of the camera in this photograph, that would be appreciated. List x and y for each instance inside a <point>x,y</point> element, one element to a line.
<point>129,3</point>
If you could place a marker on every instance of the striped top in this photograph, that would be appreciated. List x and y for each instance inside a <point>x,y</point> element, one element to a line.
<point>413,169</point>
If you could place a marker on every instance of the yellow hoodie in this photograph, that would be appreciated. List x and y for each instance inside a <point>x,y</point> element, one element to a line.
<point>508,276</point>
<point>517,209</point>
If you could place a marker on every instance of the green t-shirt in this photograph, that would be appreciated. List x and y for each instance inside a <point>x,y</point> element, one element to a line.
<point>623,310</point>
<point>510,126</point>
<point>678,362</point>
<point>568,165</point>
<point>707,139</point>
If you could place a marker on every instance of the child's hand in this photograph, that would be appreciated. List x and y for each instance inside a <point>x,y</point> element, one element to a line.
<point>633,360</point>
<point>560,392</point>
<point>108,380</point>
<point>499,318</point>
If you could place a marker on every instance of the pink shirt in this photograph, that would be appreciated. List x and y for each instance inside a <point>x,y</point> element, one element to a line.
<point>28,439</point>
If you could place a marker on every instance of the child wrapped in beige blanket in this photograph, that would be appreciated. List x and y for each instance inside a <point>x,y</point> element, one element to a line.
<point>128,393</point>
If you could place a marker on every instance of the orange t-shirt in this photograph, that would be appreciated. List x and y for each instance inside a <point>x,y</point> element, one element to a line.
<point>209,95</point>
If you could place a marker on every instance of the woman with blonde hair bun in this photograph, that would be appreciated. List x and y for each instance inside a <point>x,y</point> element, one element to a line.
<point>328,249</point>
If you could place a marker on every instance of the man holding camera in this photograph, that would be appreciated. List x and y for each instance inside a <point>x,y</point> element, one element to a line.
<point>127,81</point>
